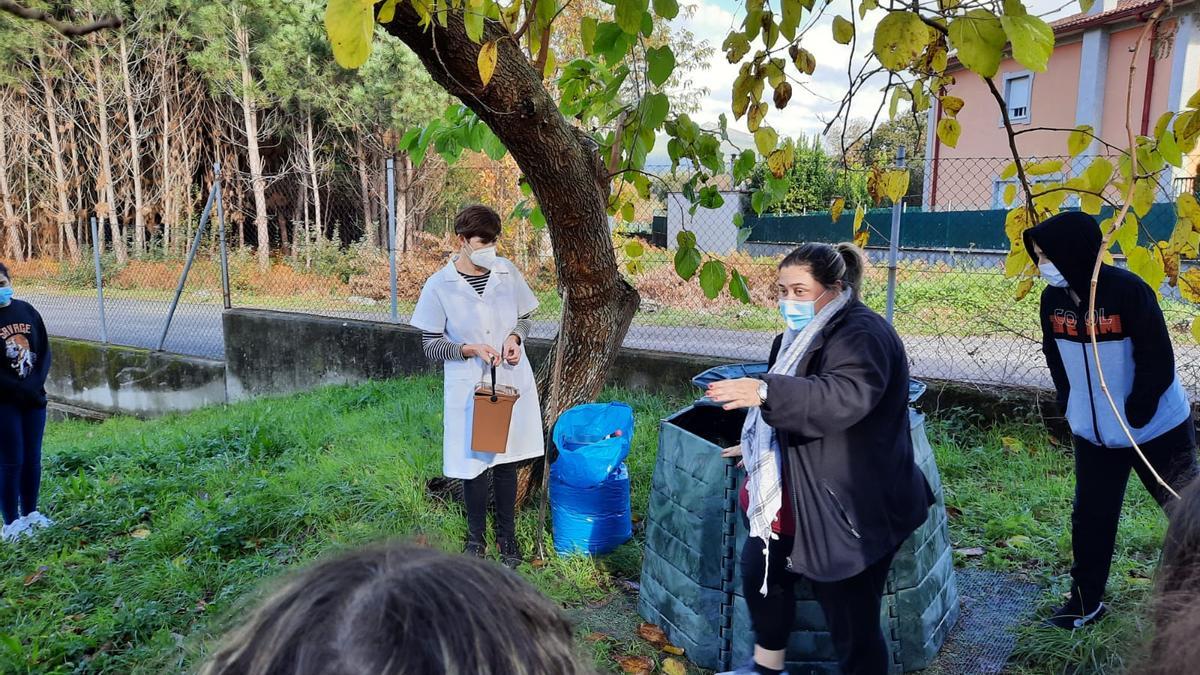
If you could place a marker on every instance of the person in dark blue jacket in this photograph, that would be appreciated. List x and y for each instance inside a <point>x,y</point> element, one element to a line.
<point>1138,364</point>
<point>23,370</point>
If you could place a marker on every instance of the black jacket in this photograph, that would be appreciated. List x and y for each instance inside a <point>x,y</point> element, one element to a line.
<point>25,356</point>
<point>842,422</point>
<point>1132,339</point>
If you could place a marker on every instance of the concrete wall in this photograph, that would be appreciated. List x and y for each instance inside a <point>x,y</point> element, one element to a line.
<point>92,379</point>
<point>279,352</point>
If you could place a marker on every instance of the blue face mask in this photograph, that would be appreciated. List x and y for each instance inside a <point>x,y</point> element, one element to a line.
<point>6,295</point>
<point>1052,276</point>
<point>799,313</point>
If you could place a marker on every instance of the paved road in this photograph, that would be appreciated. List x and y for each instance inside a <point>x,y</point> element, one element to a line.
<point>196,330</point>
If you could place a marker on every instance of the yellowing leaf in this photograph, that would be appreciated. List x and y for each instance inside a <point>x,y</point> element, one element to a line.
<point>1196,329</point>
<point>387,12</point>
<point>1010,193</point>
<point>836,208</point>
<point>673,667</point>
<point>952,104</point>
<point>804,61</point>
<point>1044,168</point>
<point>1015,262</point>
<point>487,62</point>
<point>948,131</point>
<point>1143,196</point>
<point>1189,285</point>
<point>859,214</point>
<point>140,533</point>
<point>1189,208</point>
<point>843,30</point>
<point>765,139</point>
<point>780,161</point>
<point>979,38</point>
<point>1169,148</point>
<point>350,25</point>
<point>1032,39</point>
<point>1079,140</point>
<point>899,39</point>
<point>1144,263</point>
<point>1023,288</point>
<point>897,184</point>
<point>1009,171</point>
<point>1126,236</point>
<point>1098,174</point>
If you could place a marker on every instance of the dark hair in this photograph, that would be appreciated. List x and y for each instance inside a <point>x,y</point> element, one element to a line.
<point>478,220</point>
<point>392,609</point>
<point>1174,649</point>
<point>830,264</point>
<point>4,271</point>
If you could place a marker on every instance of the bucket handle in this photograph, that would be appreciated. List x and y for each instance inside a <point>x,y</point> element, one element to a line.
<point>493,399</point>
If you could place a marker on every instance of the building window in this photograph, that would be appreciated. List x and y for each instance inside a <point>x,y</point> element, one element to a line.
<point>1018,90</point>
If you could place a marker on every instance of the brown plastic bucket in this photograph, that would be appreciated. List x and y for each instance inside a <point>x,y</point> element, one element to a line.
<point>493,416</point>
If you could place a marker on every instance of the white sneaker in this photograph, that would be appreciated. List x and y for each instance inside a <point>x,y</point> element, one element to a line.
<point>15,530</point>
<point>37,521</point>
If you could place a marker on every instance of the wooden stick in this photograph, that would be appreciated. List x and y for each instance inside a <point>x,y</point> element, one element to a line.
<point>555,380</point>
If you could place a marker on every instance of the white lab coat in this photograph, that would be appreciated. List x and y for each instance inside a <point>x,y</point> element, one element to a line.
<point>449,305</point>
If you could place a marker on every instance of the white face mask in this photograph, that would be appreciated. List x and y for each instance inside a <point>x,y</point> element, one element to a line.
<point>1052,276</point>
<point>484,257</point>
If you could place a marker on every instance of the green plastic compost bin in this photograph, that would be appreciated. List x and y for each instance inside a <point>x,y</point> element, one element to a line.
<point>690,582</point>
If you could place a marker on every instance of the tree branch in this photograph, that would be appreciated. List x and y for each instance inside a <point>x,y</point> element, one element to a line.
<point>68,29</point>
<point>1012,146</point>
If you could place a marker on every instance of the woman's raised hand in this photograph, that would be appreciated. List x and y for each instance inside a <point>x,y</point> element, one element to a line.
<point>739,393</point>
<point>486,352</point>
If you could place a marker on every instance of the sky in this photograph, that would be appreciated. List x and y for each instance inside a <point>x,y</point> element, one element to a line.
<point>817,102</point>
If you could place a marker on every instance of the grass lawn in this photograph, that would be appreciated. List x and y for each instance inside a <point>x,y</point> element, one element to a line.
<point>167,528</point>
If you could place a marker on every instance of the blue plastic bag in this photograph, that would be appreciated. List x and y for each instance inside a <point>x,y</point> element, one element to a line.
<point>592,520</point>
<point>593,440</point>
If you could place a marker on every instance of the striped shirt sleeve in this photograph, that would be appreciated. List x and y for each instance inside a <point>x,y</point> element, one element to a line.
<point>438,348</point>
<point>524,324</point>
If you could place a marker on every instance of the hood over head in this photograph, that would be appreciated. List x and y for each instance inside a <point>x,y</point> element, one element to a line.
<point>1071,241</point>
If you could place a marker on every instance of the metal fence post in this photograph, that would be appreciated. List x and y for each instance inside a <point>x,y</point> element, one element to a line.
<point>391,228</point>
<point>894,245</point>
<point>187,266</point>
<point>99,284</point>
<point>221,224</point>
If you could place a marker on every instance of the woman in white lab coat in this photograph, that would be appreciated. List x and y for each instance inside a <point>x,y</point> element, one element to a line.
<point>474,313</point>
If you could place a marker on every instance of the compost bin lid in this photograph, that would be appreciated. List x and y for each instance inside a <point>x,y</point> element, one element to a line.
<point>916,388</point>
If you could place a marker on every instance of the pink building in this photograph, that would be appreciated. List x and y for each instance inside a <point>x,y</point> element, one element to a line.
<point>1086,83</point>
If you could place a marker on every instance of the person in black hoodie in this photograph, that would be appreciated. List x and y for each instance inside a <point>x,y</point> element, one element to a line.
<point>1138,364</point>
<point>835,459</point>
<point>23,370</point>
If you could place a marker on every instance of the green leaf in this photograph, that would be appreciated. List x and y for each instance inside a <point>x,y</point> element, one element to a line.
<point>712,278</point>
<point>1079,139</point>
<point>1169,148</point>
<point>735,46</point>
<point>611,42</point>
<point>979,38</point>
<point>743,166</point>
<point>537,219</point>
<point>865,6</point>
<point>900,38</point>
<point>792,9</point>
<point>493,147</point>
<point>473,20</point>
<point>487,62</point>
<point>758,201</point>
<point>948,131</point>
<point>1044,168</point>
<point>587,34</point>
<point>687,261</point>
<point>629,15</point>
<point>710,197</point>
<point>1143,196</point>
<point>1032,39</point>
<point>1085,6</point>
<point>634,248</point>
<point>1144,263</point>
<point>1098,174</point>
<point>654,110</point>
<point>667,9</point>
<point>350,25</point>
<point>739,288</point>
<point>1010,193</point>
<point>765,139</point>
<point>1009,171</point>
<point>743,235</point>
<point>843,30</point>
<point>660,63</point>
<point>1126,236</point>
<point>387,12</point>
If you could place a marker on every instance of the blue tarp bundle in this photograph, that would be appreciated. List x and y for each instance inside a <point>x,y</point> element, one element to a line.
<point>589,482</point>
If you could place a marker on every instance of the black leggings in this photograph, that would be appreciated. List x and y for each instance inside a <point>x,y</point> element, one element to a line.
<point>851,606</point>
<point>503,479</point>
<point>21,430</point>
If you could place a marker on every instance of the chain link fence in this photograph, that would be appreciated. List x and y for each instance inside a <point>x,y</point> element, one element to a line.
<point>331,254</point>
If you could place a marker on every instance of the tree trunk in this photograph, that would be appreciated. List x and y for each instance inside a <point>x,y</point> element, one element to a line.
<point>311,156</point>
<point>250,119</point>
<point>135,155</point>
<point>370,227</point>
<point>167,213</point>
<point>12,225</point>
<point>403,188</point>
<point>65,234</point>
<point>105,186</point>
<point>569,180</point>
<point>26,139</point>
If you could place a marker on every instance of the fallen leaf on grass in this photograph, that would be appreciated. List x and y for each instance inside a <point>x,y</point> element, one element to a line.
<point>672,649</point>
<point>1012,444</point>
<point>973,552</point>
<point>636,665</point>
<point>538,563</point>
<point>1017,541</point>
<point>652,634</point>
<point>953,511</point>
<point>36,576</point>
<point>140,533</point>
<point>598,637</point>
<point>421,540</point>
<point>674,667</point>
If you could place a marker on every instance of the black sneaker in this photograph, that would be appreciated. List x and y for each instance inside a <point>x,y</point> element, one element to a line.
<point>475,549</point>
<point>510,553</point>
<point>1073,615</point>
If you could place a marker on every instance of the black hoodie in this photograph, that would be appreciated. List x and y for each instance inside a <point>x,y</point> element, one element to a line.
<point>25,359</point>
<point>1135,347</point>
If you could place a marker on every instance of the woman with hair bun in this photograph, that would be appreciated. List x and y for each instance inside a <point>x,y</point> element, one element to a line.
<point>832,488</point>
